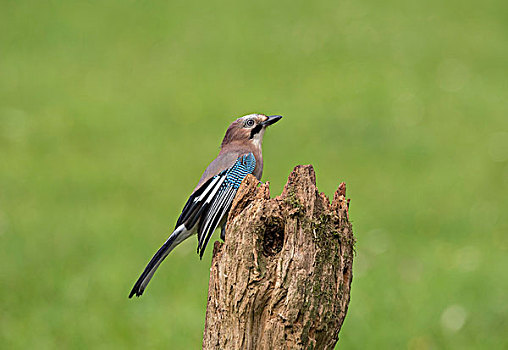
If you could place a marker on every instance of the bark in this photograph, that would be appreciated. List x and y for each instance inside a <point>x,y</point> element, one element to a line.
<point>282,278</point>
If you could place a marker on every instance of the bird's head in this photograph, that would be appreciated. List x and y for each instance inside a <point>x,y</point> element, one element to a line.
<point>249,128</point>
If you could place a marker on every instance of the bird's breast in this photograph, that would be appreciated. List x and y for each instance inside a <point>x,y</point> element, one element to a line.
<point>258,170</point>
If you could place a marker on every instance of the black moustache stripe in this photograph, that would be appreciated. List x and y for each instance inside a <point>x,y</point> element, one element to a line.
<point>255,130</point>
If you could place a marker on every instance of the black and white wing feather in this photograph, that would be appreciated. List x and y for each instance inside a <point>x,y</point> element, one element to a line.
<point>202,213</point>
<point>212,206</point>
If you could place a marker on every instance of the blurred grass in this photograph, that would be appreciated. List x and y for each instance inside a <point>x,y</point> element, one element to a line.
<point>110,110</point>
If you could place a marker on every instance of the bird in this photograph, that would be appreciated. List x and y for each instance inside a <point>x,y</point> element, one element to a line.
<point>209,203</point>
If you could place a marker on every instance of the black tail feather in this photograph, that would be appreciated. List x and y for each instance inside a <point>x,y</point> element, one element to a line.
<point>152,266</point>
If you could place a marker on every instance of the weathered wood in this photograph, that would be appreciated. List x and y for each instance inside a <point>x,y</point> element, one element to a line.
<point>282,278</point>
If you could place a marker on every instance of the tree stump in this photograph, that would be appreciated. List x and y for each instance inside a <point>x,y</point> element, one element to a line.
<point>282,278</point>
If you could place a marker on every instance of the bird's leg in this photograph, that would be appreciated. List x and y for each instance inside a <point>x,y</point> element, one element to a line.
<point>223,232</point>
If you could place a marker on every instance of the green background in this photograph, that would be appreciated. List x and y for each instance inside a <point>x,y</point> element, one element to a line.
<point>110,111</point>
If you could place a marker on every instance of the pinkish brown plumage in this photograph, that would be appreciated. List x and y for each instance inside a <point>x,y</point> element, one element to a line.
<point>240,140</point>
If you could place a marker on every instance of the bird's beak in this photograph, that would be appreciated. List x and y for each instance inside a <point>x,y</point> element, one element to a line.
<point>271,120</point>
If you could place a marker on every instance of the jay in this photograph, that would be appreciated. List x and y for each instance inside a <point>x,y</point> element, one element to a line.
<point>208,205</point>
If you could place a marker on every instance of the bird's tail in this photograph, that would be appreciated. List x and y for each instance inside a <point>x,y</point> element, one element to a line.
<point>177,237</point>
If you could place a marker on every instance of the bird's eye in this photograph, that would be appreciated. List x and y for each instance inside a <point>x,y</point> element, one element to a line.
<point>249,123</point>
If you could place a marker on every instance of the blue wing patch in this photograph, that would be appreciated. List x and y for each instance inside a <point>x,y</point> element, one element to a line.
<point>244,165</point>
